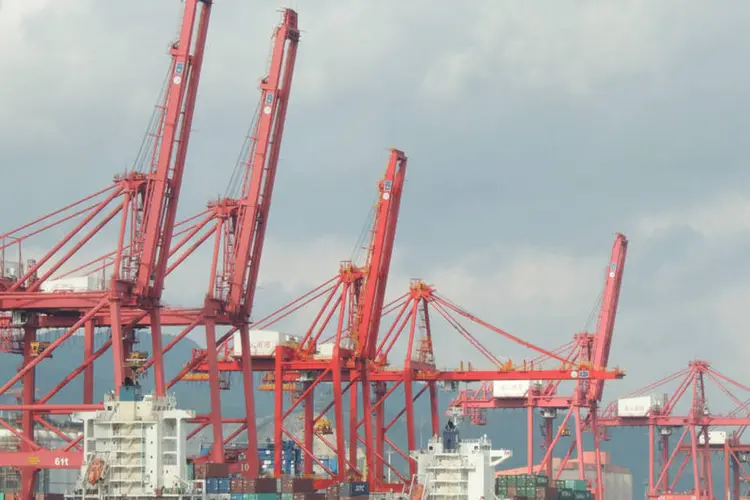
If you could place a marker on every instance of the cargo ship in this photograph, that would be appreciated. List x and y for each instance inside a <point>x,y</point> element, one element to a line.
<point>136,448</point>
<point>455,468</point>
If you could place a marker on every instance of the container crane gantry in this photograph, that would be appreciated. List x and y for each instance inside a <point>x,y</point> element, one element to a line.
<point>237,223</point>
<point>685,412</point>
<point>585,349</point>
<point>359,360</point>
<point>146,201</point>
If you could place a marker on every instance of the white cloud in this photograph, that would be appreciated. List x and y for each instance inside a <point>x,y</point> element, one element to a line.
<point>400,50</point>
<point>14,14</point>
<point>566,45</point>
<point>725,215</point>
<point>540,296</point>
<point>72,59</point>
<point>299,266</point>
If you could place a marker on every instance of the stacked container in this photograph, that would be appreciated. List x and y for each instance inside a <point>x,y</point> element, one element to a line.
<point>291,458</point>
<point>211,470</point>
<point>262,488</point>
<point>217,480</point>
<point>297,488</point>
<point>575,489</point>
<point>354,490</point>
<point>37,496</point>
<point>333,492</point>
<point>190,470</point>
<point>537,487</point>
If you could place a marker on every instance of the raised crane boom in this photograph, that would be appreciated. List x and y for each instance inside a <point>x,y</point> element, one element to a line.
<point>159,205</point>
<point>370,306</point>
<point>257,185</point>
<point>241,229</point>
<point>606,323</point>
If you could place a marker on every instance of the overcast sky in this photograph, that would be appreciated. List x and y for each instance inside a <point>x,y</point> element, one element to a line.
<point>534,130</point>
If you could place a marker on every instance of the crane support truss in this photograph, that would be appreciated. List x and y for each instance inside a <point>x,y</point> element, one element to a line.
<point>232,221</point>
<point>145,202</point>
<point>685,413</point>
<point>151,245</point>
<point>585,349</point>
<point>303,372</point>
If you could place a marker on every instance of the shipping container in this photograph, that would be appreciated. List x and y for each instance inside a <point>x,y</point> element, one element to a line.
<point>354,489</point>
<point>255,496</point>
<point>512,388</point>
<point>297,485</point>
<point>291,458</point>
<point>638,407</point>
<point>263,485</point>
<point>333,492</point>
<point>325,351</point>
<point>73,284</point>
<point>262,342</point>
<point>211,470</point>
<point>714,437</point>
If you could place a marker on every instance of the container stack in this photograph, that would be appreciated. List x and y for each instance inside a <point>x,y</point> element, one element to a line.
<point>297,488</point>
<point>262,488</point>
<point>333,492</point>
<point>211,471</point>
<point>537,487</point>
<point>216,477</point>
<point>573,488</point>
<point>291,458</point>
<point>355,490</point>
<point>217,486</point>
<point>37,496</point>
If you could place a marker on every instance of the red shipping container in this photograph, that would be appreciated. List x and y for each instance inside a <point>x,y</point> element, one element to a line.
<point>297,485</point>
<point>262,485</point>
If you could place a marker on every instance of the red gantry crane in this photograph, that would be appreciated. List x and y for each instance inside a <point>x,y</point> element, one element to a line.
<point>240,231</point>
<point>36,296</point>
<point>584,350</point>
<point>687,414</point>
<point>342,347</point>
<point>237,223</point>
<point>146,202</point>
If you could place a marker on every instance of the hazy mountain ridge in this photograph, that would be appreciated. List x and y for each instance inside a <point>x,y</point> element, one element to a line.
<point>506,428</point>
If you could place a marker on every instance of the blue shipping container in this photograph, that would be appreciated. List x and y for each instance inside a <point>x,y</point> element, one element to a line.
<point>331,463</point>
<point>212,485</point>
<point>238,496</point>
<point>223,485</point>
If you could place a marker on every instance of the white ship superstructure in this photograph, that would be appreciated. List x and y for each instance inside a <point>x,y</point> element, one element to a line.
<point>135,448</point>
<point>454,468</point>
